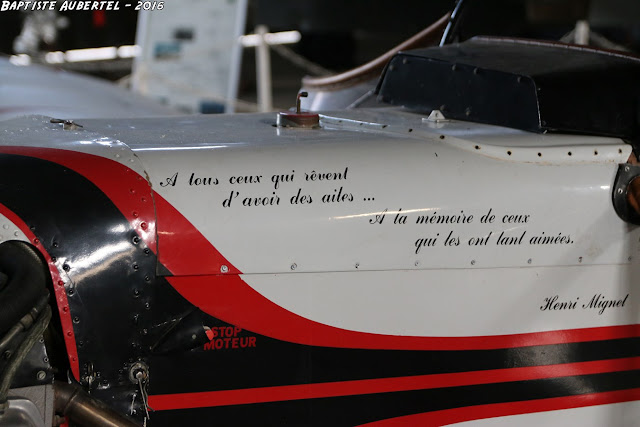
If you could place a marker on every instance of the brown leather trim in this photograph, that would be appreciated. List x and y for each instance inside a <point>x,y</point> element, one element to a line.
<point>551,43</point>
<point>427,37</point>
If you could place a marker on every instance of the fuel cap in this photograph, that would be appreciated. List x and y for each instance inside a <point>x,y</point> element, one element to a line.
<point>298,119</point>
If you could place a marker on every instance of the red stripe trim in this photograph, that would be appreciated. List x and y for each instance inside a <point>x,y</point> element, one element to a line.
<point>471,413</point>
<point>129,192</point>
<point>183,249</point>
<point>231,300</point>
<point>58,287</point>
<point>385,385</point>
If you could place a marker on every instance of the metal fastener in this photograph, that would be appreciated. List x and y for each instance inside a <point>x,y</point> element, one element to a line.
<point>42,375</point>
<point>224,269</point>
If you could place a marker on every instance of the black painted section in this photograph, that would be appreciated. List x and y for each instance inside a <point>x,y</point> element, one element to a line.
<point>272,362</point>
<point>536,87</point>
<point>117,304</point>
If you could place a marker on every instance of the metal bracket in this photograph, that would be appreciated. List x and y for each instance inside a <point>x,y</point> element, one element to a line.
<point>626,174</point>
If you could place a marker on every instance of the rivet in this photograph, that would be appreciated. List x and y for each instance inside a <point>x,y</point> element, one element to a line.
<point>147,305</point>
<point>143,225</point>
<point>6,226</point>
<point>6,355</point>
<point>357,264</point>
<point>55,244</point>
<point>579,259</point>
<point>42,375</point>
<point>473,262</point>
<point>135,214</point>
<point>147,278</point>
<point>417,263</point>
<point>66,267</point>
<point>294,266</point>
<point>70,291</point>
<point>146,251</point>
<point>54,259</point>
<point>224,268</point>
<point>74,358</point>
<point>143,199</point>
<point>626,168</point>
<point>620,190</point>
<point>136,292</point>
<point>132,191</point>
<point>76,319</point>
<point>16,233</point>
<point>136,266</point>
<point>65,309</point>
<point>61,282</point>
<point>529,261</point>
<point>45,359</point>
<point>135,240</point>
<point>69,333</point>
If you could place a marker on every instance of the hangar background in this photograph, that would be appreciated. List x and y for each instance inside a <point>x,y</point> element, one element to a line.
<point>334,36</point>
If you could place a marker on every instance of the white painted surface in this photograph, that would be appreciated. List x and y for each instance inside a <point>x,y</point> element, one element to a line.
<point>623,414</point>
<point>456,302</point>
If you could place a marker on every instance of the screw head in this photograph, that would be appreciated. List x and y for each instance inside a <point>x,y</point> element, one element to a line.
<point>294,266</point>
<point>42,375</point>
<point>224,269</point>
<point>473,262</point>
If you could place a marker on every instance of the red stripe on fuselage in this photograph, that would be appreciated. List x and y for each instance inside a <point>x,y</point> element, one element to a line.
<point>385,385</point>
<point>58,287</point>
<point>230,299</point>
<point>480,412</point>
<point>129,192</point>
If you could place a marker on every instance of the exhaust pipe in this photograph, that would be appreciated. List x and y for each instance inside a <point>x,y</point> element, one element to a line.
<point>73,402</point>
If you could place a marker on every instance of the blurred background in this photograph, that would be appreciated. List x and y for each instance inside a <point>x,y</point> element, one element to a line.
<point>214,56</point>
